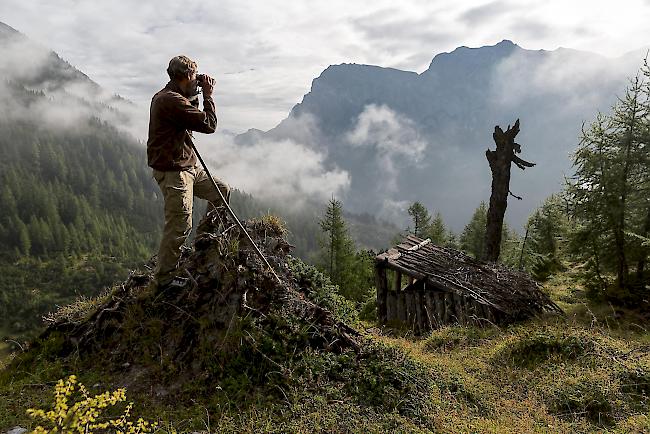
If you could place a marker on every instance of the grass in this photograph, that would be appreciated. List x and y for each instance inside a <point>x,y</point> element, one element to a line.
<point>585,372</point>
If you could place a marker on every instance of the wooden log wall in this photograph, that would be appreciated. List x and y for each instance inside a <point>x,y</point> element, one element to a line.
<point>422,309</point>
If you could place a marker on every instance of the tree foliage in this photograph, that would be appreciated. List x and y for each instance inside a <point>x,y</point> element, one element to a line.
<point>547,232</point>
<point>472,239</point>
<point>608,192</point>
<point>421,218</point>
<point>348,268</point>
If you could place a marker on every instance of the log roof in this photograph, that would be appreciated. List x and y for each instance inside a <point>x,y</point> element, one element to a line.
<point>514,293</point>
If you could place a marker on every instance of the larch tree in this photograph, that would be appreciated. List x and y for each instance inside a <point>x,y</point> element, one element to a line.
<point>421,218</point>
<point>609,189</point>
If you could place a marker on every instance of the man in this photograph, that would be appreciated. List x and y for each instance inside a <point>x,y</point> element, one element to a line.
<point>174,115</point>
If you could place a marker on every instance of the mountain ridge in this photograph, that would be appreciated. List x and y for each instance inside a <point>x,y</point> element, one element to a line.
<point>452,106</point>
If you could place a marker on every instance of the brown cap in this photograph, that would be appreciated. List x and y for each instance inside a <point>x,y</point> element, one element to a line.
<point>181,66</point>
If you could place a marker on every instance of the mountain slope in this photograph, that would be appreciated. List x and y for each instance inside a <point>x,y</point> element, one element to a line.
<point>404,136</point>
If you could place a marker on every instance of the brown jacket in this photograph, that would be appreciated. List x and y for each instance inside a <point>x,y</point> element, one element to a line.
<point>171,119</point>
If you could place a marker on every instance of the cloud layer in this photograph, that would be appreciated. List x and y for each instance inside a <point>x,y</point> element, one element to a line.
<point>282,170</point>
<point>265,54</point>
<point>69,97</point>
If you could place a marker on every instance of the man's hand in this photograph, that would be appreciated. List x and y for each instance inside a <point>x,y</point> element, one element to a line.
<point>207,84</point>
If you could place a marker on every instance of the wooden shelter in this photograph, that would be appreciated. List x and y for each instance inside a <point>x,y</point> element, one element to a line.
<point>426,286</point>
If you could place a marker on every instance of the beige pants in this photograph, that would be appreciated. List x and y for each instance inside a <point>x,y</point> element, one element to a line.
<point>179,189</point>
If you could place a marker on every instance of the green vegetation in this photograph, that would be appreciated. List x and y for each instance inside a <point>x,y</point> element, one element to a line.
<point>348,268</point>
<point>584,372</point>
<point>65,232</point>
<point>608,194</point>
<point>421,218</point>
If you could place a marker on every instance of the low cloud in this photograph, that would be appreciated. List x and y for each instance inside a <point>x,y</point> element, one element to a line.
<point>39,86</point>
<point>283,170</point>
<point>393,138</point>
<point>579,81</point>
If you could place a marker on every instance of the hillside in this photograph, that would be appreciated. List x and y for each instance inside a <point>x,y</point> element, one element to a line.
<point>245,354</point>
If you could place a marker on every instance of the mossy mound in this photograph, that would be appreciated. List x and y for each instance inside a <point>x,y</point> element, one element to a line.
<point>236,336</point>
<point>195,332</point>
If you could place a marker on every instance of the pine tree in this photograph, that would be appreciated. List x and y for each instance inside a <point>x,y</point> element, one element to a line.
<point>548,229</point>
<point>338,245</point>
<point>472,239</point>
<point>23,237</point>
<point>437,231</point>
<point>421,218</point>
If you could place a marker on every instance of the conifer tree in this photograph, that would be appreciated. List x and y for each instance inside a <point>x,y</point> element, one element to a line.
<point>421,219</point>
<point>338,245</point>
<point>472,239</point>
<point>437,231</point>
<point>607,190</point>
<point>547,233</point>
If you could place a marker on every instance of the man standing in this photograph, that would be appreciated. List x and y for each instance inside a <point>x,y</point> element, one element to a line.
<point>174,115</point>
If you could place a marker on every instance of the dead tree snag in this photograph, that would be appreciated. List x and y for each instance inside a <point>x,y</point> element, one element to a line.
<point>500,161</point>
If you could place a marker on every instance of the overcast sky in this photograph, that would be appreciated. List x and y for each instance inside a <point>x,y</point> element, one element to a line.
<point>264,54</point>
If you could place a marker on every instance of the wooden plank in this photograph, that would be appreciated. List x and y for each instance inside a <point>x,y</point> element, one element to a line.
<point>398,281</point>
<point>391,306</point>
<point>401,307</point>
<point>420,310</point>
<point>439,300</point>
<point>410,309</point>
<point>449,308</point>
<point>382,288</point>
<point>430,305</point>
<point>458,309</point>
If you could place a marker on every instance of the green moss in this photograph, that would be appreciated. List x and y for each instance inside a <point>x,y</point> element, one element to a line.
<point>591,396</point>
<point>544,346</point>
<point>448,338</point>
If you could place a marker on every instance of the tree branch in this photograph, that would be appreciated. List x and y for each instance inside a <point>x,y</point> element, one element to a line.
<point>522,164</point>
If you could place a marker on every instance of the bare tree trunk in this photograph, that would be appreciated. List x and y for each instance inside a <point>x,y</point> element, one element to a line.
<point>523,246</point>
<point>619,233</point>
<point>500,161</point>
<point>640,267</point>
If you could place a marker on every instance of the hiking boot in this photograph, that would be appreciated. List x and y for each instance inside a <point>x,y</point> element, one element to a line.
<point>174,285</point>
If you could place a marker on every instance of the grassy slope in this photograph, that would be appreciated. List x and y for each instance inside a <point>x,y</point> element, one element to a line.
<point>587,372</point>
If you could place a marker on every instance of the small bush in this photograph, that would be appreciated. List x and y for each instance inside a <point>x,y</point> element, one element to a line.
<point>319,289</point>
<point>369,307</point>
<point>85,414</point>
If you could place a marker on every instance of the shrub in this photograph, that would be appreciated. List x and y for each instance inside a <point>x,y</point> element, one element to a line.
<point>85,415</point>
<point>319,289</point>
